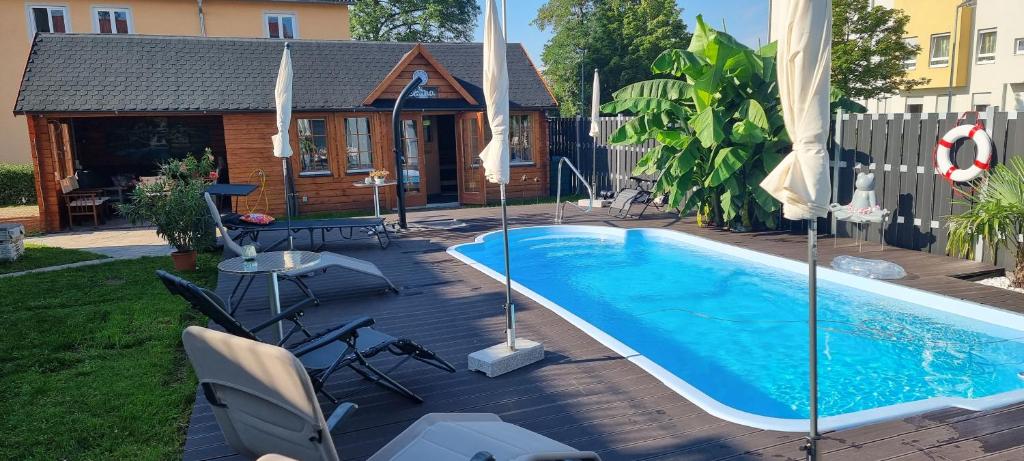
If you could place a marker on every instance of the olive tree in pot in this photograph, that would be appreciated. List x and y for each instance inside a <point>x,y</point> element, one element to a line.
<point>996,216</point>
<point>174,204</point>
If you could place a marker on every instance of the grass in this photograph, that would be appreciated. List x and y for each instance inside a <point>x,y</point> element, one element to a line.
<point>93,367</point>
<point>37,256</point>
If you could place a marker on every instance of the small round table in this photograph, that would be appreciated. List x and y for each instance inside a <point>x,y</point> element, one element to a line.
<point>376,193</point>
<point>271,263</point>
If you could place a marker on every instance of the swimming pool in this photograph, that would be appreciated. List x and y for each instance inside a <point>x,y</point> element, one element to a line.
<point>726,327</point>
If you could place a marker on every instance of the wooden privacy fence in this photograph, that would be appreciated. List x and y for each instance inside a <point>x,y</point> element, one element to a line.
<point>897,148</point>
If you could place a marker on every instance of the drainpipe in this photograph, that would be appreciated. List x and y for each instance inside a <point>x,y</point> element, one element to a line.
<point>202,17</point>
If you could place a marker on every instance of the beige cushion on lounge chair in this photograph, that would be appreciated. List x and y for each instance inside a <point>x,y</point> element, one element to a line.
<point>261,396</point>
<point>460,436</point>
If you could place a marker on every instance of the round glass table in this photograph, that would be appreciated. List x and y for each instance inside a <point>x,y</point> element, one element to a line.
<point>271,263</point>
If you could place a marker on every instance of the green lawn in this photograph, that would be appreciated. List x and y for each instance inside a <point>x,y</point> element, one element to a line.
<point>92,365</point>
<point>37,256</point>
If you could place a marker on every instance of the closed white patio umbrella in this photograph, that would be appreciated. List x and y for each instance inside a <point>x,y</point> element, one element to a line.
<point>595,126</point>
<point>801,180</point>
<point>282,146</point>
<point>516,352</point>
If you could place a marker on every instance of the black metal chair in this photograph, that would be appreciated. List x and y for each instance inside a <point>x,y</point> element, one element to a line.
<point>347,345</point>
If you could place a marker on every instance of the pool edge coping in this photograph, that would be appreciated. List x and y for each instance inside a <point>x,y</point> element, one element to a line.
<point>992,315</point>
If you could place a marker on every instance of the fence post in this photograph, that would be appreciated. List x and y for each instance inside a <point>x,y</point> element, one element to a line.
<point>990,119</point>
<point>837,149</point>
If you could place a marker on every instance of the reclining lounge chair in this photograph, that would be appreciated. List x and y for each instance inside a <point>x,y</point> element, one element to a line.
<point>266,406</point>
<point>639,194</point>
<point>347,345</point>
<point>327,261</point>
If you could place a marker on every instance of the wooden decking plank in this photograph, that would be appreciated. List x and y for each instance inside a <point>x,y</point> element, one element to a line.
<point>583,393</point>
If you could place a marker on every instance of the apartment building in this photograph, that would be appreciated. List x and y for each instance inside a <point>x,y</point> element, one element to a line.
<point>972,53</point>
<point>22,20</point>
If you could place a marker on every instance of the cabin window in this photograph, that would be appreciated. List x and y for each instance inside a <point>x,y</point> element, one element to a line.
<point>357,143</point>
<point>48,20</point>
<point>313,153</point>
<point>281,25</point>
<point>520,139</point>
<point>411,142</point>
<point>112,20</point>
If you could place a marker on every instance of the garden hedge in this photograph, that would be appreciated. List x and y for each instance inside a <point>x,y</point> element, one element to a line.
<point>17,186</point>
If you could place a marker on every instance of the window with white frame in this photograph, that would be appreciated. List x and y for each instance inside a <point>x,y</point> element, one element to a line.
<point>911,62</point>
<point>112,20</point>
<point>281,25</point>
<point>313,154</point>
<point>986,46</point>
<point>938,55</point>
<point>520,139</point>
<point>981,101</point>
<point>357,144</point>
<point>48,20</point>
<point>1018,46</point>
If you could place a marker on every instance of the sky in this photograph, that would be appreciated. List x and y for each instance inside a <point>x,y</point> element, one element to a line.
<point>747,20</point>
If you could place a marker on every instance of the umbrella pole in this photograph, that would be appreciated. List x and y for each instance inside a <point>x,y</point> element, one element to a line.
<point>510,309</point>
<point>812,285</point>
<point>288,201</point>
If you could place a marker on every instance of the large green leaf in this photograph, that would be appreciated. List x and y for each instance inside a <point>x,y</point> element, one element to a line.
<point>747,133</point>
<point>661,88</point>
<point>752,111</point>
<point>728,161</point>
<point>644,105</point>
<point>678,63</point>
<point>708,127</point>
<point>638,129</point>
<point>701,35</point>
<point>654,160</point>
<point>674,138</point>
<point>769,51</point>
<point>744,65</point>
<point>731,199</point>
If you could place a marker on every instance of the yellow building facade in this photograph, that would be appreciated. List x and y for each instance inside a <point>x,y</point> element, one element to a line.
<point>931,26</point>
<point>293,19</point>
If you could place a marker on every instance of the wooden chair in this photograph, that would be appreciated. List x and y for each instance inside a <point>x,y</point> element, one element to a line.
<point>83,202</point>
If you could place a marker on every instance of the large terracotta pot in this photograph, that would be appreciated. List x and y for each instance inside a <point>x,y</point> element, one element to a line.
<point>184,261</point>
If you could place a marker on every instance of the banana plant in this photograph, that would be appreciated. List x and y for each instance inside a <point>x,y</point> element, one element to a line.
<point>716,118</point>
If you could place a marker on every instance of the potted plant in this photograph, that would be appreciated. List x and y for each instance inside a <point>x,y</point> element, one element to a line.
<point>174,204</point>
<point>379,176</point>
<point>996,216</point>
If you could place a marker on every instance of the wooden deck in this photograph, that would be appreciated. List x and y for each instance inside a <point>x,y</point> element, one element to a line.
<point>583,394</point>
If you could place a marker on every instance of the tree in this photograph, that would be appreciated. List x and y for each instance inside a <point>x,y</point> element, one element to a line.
<point>414,20</point>
<point>715,114</point>
<point>869,50</point>
<point>995,216</point>
<point>619,37</point>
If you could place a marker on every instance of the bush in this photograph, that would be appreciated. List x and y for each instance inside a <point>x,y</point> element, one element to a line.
<point>174,203</point>
<point>17,184</point>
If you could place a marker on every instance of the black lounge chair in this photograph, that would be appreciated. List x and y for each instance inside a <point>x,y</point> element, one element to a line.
<point>639,194</point>
<point>344,346</point>
<point>347,227</point>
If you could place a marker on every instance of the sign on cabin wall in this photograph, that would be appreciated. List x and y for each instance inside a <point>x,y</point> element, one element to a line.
<point>424,92</point>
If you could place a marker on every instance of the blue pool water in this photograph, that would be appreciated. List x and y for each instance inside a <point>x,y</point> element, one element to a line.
<point>734,325</point>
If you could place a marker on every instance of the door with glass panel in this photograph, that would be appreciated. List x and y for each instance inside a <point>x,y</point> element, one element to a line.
<point>413,174</point>
<point>470,141</point>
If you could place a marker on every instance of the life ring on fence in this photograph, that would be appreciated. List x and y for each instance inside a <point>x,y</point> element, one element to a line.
<point>944,164</point>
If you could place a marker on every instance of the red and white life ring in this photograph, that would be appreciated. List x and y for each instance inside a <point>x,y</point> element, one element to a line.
<point>944,165</point>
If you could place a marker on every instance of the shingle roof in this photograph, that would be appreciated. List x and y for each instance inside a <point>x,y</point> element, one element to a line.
<point>138,73</point>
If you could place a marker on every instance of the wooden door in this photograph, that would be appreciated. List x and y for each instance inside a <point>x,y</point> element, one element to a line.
<point>431,156</point>
<point>63,156</point>
<point>413,173</point>
<point>469,143</point>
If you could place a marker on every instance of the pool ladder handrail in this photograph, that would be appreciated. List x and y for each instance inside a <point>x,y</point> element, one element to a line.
<point>559,206</point>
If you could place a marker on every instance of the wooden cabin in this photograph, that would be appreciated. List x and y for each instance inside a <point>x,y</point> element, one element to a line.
<point>110,107</point>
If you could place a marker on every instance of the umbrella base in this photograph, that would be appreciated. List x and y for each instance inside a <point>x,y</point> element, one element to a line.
<point>499,359</point>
